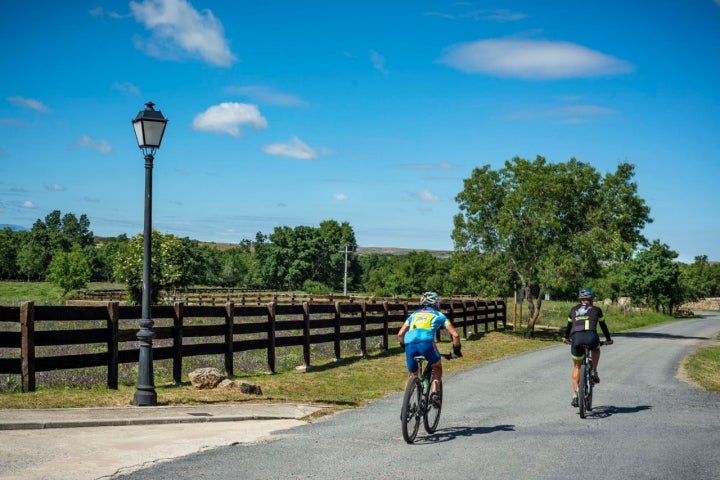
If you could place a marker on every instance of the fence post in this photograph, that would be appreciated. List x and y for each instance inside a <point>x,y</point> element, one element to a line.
<point>363,328</point>
<point>229,320</point>
<point>386,325</point>
<point>178,322</point>
<point>27,345</point>
<point>271,338</point>
<point>112,345</point>
<point>306,336</point>
<point>465,318</point>
<point>336,329</point>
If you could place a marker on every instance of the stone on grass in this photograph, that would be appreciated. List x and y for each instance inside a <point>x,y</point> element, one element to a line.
<point>206,378</point>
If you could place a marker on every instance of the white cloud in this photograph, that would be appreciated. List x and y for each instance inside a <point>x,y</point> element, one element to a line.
<point>177,26</point>
<point>427,196</point>
<point>28,204</point>
<point>531,59</point>
<point>228,117</point>
<point>295,148</point>
<point>28,103</point>
<point>378,61</point>
<point>340,196</point>
<point>266,95</point>
<point>54,187</point>
<point>126,87</point>
<point>100,145</point>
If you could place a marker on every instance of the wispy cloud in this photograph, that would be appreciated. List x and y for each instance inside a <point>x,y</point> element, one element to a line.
<point>427,196</point>
<point>378,61</point>
<point>28,103</point>
<point>425,166</point>
<point>577,113</point>
<point>101,12</point>
<point>295,148</point>
<point>178,28</point>
<point>28,204</point>
<point>340,196</point>
<point>228,117</point>
<point>54,187</point>
<point>100,145</point>
<point>531,59</point>
<point>500,15</point>
<point>266,95</point>
<point>126,87</point>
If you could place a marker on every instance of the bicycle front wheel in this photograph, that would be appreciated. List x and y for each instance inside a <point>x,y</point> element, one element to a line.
<point>582,389</point>
<point>432,414</point>
<point>411,409</point>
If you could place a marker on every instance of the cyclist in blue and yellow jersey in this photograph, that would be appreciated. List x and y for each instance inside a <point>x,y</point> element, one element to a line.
<point>417,337</point>
<point>581,330</point>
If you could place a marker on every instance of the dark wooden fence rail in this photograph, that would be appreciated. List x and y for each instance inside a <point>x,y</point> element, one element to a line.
<point>112,330</point>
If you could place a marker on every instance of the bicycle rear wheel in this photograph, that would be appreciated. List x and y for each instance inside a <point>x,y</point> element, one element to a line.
<point>431,417</point>
<point>411,409</point>
<point>582,389</point>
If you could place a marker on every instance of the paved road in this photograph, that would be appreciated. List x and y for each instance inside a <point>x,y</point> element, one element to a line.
<point>509,419</point>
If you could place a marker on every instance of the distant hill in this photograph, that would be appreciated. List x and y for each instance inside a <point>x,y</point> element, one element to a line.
<point>14,228</point>
<point>359,251</point>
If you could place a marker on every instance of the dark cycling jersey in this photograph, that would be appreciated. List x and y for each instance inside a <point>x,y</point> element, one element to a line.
<point>586,317</point>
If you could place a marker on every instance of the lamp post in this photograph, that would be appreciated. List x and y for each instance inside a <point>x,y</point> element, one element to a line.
<point>149,128</point>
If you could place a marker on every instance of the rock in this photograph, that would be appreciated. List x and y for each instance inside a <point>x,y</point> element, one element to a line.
<point>226,384</point>
<point>250,388</point>
<point>206,378</point>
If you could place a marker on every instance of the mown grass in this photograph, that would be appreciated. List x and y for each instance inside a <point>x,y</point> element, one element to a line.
<point>703,367</point>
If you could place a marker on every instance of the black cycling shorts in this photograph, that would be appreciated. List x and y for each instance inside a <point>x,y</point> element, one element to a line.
<point>580,339</point>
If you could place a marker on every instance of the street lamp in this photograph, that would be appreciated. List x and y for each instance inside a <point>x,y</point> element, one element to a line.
<point>149,129</point>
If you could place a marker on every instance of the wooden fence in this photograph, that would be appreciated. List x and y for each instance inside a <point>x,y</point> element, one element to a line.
<point>180,330</point>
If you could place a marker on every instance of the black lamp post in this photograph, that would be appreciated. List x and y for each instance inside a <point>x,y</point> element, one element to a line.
<point>149,129</point>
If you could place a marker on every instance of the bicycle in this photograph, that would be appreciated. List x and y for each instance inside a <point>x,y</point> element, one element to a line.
<point>586,383</point>
<point>417,402</point>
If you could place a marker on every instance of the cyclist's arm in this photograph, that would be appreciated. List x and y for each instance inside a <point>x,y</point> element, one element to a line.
<point>606,332</point>
<point>568,327</point>
<point>453,333</point>
<point>401,332</point>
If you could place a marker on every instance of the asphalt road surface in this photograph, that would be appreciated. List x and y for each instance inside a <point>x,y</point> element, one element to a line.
<point>509,419</point>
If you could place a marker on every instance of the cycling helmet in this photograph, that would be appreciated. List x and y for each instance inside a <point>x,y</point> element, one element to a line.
<point>430,299</point>
<point>586,294</point>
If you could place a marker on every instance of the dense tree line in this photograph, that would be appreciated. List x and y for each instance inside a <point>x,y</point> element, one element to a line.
<point>533,227</point>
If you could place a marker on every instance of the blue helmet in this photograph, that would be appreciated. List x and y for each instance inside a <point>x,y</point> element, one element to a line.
<point>430,299</point>
<point>586,294</point>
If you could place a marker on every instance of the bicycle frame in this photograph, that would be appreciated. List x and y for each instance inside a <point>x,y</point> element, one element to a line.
<point>586,383</point>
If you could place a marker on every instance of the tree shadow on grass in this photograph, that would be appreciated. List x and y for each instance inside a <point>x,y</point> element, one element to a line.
<point>451,433</point>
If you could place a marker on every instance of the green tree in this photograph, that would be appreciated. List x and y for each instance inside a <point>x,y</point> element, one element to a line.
<point>70,270</point>
<point>696,279</point>
<point>653,277</point>
<point>547,227</point>
<point>9,248</point>
<point>171,265</point>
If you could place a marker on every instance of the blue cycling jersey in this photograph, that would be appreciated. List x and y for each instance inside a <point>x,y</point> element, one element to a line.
<point>424,323</point>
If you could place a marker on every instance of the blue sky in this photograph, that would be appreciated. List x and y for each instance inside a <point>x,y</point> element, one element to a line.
<point>286,113</point>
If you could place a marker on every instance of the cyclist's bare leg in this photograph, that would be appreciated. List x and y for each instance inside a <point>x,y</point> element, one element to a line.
<point>437,376</point>
<point>410,375</point>
<point>575,375</point>
<point>595,358</point>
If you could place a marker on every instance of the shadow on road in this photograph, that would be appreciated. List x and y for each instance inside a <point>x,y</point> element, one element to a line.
<point>658,335</point>
<point>604,412</point>
<point>446,434</point>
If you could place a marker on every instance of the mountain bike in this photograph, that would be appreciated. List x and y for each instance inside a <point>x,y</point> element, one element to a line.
<point>417,402</point>
<point>586,383</point>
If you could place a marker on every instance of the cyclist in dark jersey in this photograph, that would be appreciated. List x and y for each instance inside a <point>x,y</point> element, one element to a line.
<point>581,330</point>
